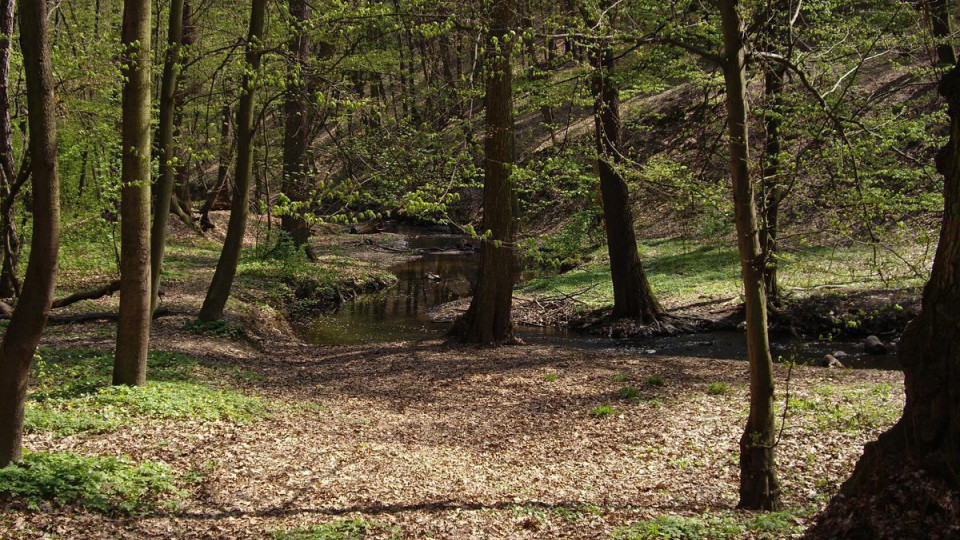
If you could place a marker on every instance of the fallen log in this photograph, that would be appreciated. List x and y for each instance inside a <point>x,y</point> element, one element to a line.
<point>106,290</point>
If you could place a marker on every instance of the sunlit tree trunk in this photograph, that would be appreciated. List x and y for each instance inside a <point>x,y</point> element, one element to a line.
<point>222,282</point>
<point>133,332</point>
<point>759,486</point>
<point>168,166</point>
<point>632,295</point>
<point>488,321</point>
<point>30,316</point>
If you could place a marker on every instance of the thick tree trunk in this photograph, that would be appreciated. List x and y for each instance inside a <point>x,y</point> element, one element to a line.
<point>632,295</point>
<point>9,284</point>
<point>23,334</point>
<point>759,487</point>
<point>222,282</point>
<point>133,332</point>
<point>488,321</point>
<point>168,166</point>
<point>297,130</point>
<point>906,483</point>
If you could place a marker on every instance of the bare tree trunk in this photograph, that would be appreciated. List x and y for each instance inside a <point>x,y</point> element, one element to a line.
<point>30,317</point>
<point>940,18</point>
<point>133,332</point>
<point>226,153</point>
<point>168,166</point>
<point>9,284</point>
<point>222,282</point>
<point>488,321</point>
<point>297,131</point>
<point>632,295</point>
<point>759,486</point>
<point>906,483</point>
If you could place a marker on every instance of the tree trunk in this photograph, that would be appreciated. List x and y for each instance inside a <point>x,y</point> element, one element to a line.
<point>297,130</point>
<point>941,30</point>
<point>773,190</point>
<point>9,284</point>
<point>222,282</point>
<point>759,487</point>
<point>133,332</point>
<point>168,166</point>
<point>487,321</point>
<point>23,334</point>
<point>226,153</point>
<point>632,294</point>
<point>906,483</point>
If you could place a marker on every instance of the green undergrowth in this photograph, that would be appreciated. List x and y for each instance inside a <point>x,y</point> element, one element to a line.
<point>688,270</point>
<point>104,484</point>
<point>71,393</point>
<point>351,529</point>
<point>852,409</point>
<point>726,525</point>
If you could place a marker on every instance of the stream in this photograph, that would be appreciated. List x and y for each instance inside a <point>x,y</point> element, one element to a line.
<point>443,273</point>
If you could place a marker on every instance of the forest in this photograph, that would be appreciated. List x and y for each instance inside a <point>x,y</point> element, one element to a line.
<point>349,269</point>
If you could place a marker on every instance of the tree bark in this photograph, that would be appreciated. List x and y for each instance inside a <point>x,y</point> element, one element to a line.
<point>940,18</point>
<point>222,282</point>
<point>30,317</point>
<point>632,295</point>
<point>9,284</point>
<point>906,483</point>
<point>488,321</point>
<point>133,332</point>
<point>297,130</point>
<point>168,166</point>
<point>759,486</point>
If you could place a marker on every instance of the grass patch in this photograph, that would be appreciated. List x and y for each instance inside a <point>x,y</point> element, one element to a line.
<point>619,378</point>
<point>220,328</point>
<point>104,484</point>
<point>654,380</point>
<point>551,377</point>
<point>71,394</point>
<point>603,411</point>
<point>771,526</point>
<point>718,389</point>
<point>352,529</point>
<point>629,393</point>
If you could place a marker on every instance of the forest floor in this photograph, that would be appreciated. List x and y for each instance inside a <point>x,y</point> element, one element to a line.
<point>262,435</point>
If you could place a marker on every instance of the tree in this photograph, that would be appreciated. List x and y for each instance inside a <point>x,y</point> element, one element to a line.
<point>759,486</point>
<point>632,295</point>
<point>911,468</point>
<point>222,282</point>
<point>133,332</point>
<point>30,317</point>
<point>168,168</point>
<point>487,321</point>
<point>9,284</point>
<point>297,129</point>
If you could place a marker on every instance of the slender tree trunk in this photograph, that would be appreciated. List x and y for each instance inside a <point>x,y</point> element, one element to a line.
<point>773,190</point>
<point>488,321</point>
<point>133,332</point>
<point>759,486</point>
<point>297,130</point>
<point>910,473</point>
<point>222,282</point>
<point>9,284</point>
<point>30,316</point>
<point>632,294</point>
<point>168,166</point>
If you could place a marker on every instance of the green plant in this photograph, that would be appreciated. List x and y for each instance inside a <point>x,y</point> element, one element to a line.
<point>718,389</point>
<point>654,380</point>
<point>603,411</point>
<point>221,328</point>
<point>628,393</point>
<point>104,484</point>
<point>620,378</point>
<point>551,377</point>
<point>353,529</point>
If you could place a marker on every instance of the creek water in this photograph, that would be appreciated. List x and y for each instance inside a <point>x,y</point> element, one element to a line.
<point>443,273</point>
